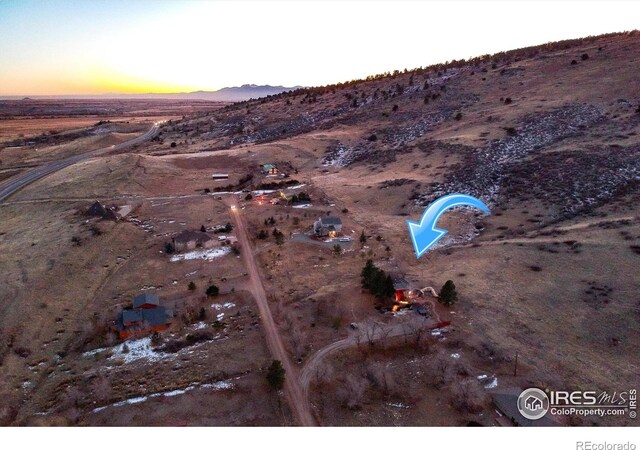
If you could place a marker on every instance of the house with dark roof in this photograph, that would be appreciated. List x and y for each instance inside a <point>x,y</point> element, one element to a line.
<point>99,210</point>
<point>145,317</point>
<point>401,286</point>
<point>327,226</point>
<point>506,403</point>
<point>146,300</point>
<point>190,239</point>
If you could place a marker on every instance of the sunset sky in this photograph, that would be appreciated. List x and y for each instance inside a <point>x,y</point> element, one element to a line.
<point>97,47</point>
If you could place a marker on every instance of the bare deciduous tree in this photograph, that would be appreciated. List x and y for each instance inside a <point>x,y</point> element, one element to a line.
<point>352,392</point>
<point>380,376</point>
<point>101,388</point>
<point>440,370</point>
<point>468,395</point>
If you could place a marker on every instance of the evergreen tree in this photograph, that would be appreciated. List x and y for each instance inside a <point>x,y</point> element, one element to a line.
<point>448,294</point>
<point>213,291</point>
<point>367,274</point>
<point>275,375</point>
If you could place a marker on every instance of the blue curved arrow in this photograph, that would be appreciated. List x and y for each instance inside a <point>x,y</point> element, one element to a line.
<point>425,233</point>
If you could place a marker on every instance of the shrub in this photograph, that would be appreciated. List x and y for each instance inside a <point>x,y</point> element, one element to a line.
<point>22,352</point>
<point>395,108</point>
<point>584,56</point>
<point>372,138</point>
<point>279,236</point>
<point>574,62</point>
<point>508,101</point>
<point>203,229</point>
<point>248,197</point>
<point>458,116</point>
<point>173,145</point>
<point>263,234</point>
<point>169,248</point>
<point>192,286</point>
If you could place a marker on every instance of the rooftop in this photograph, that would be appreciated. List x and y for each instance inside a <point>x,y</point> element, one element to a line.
<point>146,298</point>
<point>143,317</point>
<point>191,235</point>
<point>330,220</point>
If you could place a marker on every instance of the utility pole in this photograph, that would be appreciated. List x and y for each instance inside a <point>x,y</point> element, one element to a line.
<point>515,367</point>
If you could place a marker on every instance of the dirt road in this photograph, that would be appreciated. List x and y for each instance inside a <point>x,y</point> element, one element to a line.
<point>292,387</point>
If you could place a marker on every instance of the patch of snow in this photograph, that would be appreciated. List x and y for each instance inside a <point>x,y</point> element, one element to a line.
<point>207,255</point>
<point>303,206</point>
<point>398,405</point>
<point>218,385</point>
<point>297,186</point>
<point>219,306</point>
<point>137,349</point>
<point>493,384</point>
<point>455,355</point>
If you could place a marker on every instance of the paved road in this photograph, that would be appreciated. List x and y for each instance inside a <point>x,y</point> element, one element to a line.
<point>16,183</point>
<point>292,387</point>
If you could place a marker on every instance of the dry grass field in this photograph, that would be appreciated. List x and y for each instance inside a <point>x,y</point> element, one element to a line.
<point>550,276</point>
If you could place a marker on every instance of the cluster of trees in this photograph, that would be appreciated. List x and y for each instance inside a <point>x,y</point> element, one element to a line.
<point>301,197</point>
<point>377,281</point>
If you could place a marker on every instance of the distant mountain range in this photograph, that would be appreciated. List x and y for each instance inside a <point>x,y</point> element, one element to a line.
<point>227,94</point>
